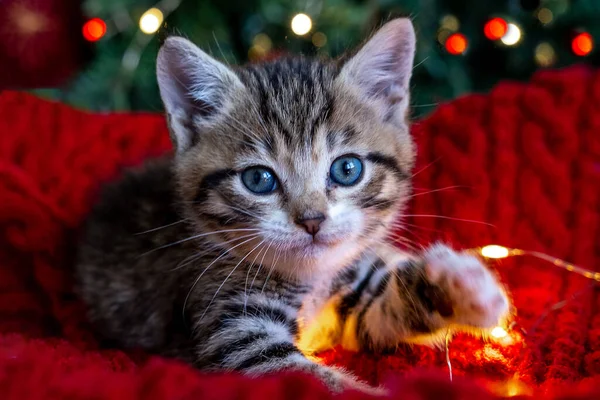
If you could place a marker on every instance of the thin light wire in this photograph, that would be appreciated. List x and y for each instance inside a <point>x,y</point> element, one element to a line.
<point>448,361</point>
<point>586,273</point>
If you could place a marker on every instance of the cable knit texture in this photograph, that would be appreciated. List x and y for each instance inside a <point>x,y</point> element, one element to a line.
<point>524,158</point>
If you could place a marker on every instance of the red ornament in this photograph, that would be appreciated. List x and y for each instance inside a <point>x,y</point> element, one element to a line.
<point>582,44</point>
<point>456,44</point>
<point>94,29</point>
<point>495,28</point>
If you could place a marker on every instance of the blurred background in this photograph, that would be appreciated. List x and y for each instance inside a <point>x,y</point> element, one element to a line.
<point>100,54</point>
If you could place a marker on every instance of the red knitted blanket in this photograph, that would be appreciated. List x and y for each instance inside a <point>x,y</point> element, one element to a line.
<point>525,159</point>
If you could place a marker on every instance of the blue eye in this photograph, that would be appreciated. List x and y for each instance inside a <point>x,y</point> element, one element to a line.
<point>259,180</point>
<point>346,170</point>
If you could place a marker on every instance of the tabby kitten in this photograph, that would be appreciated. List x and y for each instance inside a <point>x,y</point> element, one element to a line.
<point>264,238</point>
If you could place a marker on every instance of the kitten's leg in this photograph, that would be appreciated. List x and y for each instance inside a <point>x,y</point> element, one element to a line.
<point>390,298</point>
<point>258,339</point>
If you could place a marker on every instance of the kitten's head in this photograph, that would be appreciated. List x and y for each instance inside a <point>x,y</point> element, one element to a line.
<point>297,163</point>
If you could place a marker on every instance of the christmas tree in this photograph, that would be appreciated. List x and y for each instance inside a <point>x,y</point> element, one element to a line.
<point>463,45</point>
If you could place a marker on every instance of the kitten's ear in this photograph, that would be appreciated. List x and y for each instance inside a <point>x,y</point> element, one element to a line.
<point>381,69</point>
<point>195,88</point>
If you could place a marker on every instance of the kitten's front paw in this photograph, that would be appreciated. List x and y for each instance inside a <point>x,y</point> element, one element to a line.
<point>472,294</point>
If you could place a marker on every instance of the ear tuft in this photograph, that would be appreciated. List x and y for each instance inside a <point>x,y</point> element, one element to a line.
<point>195,88</point>
<point>382,68</point>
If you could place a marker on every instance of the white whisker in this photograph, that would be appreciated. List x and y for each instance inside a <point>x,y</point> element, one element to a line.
<point>161,227</point>
<point>227,277</point>
<point>450,218</point>
<point>199,236</point>
<point>207,268</point>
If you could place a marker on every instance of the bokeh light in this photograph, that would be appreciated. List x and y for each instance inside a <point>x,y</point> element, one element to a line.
<point>151,20</point>
<point>456,44</point>
<point>545,55</point>
<point>582,44</point>
<point>545,15</point>
<point>512,35</point>
<point>495,28</point>
<point>494,251</point>
<point>94,29</point>
<point>319,39</point>
<point>301,24</point>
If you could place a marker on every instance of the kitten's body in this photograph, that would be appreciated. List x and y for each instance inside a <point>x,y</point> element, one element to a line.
<point>183,258</point>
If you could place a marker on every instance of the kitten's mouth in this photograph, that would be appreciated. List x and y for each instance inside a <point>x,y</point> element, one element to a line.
<point>320,242</point>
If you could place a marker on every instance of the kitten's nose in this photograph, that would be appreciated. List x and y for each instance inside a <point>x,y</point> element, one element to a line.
<point>311,222</point>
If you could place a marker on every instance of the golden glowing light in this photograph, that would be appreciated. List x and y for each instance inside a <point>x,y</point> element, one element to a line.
<point>495,251</point>
<point>499,332</point>
<point>319,39</point>
<point>442,35</point>
<point>512,35</point>
<point>545,16</point>
<point>301,24</point>
<point>151,20</point>
<point>545,55</point>
<point>511,388</point>
<point>450,22</point>
<point>263,40</point>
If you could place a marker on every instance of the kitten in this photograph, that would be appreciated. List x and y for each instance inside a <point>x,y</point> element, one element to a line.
<point>264,238</point>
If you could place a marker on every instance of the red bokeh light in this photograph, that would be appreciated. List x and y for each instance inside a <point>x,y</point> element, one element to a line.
<point>456,44</point>
<point>94,29</point>
<point>495,28</point>
<point>582,44</point>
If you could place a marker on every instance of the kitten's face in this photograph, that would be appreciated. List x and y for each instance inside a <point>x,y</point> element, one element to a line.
<point>297,164</point>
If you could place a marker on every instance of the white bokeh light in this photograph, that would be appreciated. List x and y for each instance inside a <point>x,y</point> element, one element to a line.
<point>151,20</point>
<point>301,24</point>
<point>512,35</point>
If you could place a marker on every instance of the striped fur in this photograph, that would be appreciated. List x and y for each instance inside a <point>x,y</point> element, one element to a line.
<point>181,258</point>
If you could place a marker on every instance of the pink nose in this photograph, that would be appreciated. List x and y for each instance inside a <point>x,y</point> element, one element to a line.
<point>312,224</point>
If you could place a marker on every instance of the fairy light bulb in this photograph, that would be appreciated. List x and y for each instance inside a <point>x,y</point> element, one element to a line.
<point>456,44</point>
<point>301,24</point>
<point>494,251</point>
<point>94,29</point>
<point>495,28</point>
<point>582,44</point>
<point>151,20</point>
<point>499,332</point>
<point>512,35</point>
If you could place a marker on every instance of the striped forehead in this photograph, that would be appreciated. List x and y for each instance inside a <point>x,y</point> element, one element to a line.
<point>293,98</point>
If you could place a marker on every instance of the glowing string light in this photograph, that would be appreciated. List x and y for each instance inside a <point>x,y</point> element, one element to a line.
<point>545,15</point>
<point>545,55</point>
<point>495,28</point>
<point>493,251</point>
<point>151,21</point>
<point>582,44</point>
<point>512,35</point>
<point>94,29</point>
<point>456,44</point>
<point>499,332</point>
<point>448,361</point>
<point>301,24</point>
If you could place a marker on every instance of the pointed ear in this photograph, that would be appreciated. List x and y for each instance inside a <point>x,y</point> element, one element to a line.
<point>381,69</point>
<point>196,89</point>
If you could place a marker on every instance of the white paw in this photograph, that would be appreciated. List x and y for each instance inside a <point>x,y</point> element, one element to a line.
<point>476,296</point>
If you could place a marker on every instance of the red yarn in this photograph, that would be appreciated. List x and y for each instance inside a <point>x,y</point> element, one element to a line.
<point>525,158</point>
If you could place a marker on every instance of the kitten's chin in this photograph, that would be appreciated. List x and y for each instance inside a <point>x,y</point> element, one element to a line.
<point>317,259</point>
